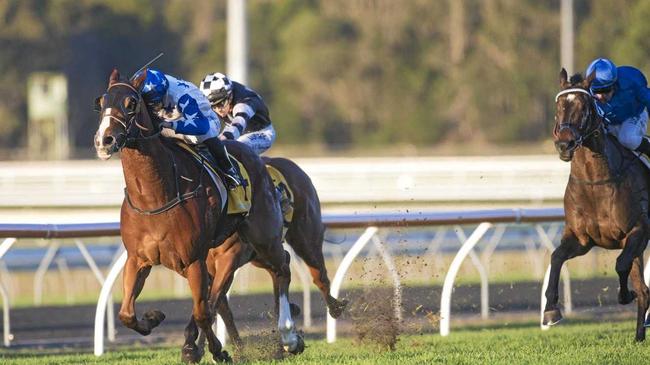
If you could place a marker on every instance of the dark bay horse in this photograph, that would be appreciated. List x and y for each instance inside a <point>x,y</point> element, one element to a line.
<point>172,215</point>
<point>304,234</point>
<point>606,198</point>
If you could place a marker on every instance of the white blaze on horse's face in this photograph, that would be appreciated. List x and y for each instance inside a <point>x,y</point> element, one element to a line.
<point>104,151</point>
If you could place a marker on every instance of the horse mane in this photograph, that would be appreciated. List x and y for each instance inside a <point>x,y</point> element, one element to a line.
<point>576,79</point>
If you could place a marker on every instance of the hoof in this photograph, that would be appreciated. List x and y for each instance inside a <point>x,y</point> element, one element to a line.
<point>552,317</point>
<point>295,309</point>
<point>626,299</point>
<point>190,354</point>
<point>222,356</point>
<point>337,308</point>
<point>297,348</point>
<point>154,317</point>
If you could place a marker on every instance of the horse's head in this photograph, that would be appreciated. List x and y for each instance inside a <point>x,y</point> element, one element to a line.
<point>118,108</point>
<point>575,116</point>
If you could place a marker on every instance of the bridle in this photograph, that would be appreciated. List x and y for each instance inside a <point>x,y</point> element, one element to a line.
<point>584,133</point>
<point>584,130</point>
<point>128,121</point>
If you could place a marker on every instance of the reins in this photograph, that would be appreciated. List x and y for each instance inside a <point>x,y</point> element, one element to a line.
<point>179,198</point>
<point>131,116</point>
<point>618,176</point>
<point>174,202</point>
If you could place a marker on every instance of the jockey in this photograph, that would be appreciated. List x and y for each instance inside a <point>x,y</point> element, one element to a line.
<point>622,98</point>
<point>186,115</point>
<point>243,110</point>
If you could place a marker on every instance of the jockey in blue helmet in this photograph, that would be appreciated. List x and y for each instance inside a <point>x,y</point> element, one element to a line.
<point>622,98</point>
<point>186,115</point>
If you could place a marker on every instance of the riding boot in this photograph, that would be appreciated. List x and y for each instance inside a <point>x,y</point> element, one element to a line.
<point>644,147</point>
<point>218,151</point>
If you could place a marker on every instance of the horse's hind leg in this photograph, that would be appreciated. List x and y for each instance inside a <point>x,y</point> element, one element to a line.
<point>569,248</point>
<point>220,287</point>
<point>642,296</point>
<point>197,277</point>
<point>133,282</point>
<point>311,251</point>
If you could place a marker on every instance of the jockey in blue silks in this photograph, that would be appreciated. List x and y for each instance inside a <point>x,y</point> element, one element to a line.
<point>186,114</point>
<point>622,98</point>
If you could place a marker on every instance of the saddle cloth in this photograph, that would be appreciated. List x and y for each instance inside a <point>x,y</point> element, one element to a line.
<point>238,199</point>
<point>286,195</point>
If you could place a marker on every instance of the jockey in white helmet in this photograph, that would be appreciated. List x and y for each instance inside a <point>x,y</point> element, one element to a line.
<point>243,110</point>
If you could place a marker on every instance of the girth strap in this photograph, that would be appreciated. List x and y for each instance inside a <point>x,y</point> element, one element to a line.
<point>174,202</point>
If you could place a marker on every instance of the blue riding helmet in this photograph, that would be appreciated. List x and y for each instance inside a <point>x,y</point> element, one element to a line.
<point>606,74</point>
<point>155,87</point>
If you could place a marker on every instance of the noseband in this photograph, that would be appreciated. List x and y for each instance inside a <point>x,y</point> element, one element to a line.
<point>581,132</point>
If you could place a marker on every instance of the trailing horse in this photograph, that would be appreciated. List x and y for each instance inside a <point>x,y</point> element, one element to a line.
<point>173,214</point>
<point>606,198</point>
<point>304,234</point>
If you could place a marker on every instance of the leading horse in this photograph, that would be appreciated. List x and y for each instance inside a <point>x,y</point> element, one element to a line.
<point>606,198</point>
<point>173,214</point>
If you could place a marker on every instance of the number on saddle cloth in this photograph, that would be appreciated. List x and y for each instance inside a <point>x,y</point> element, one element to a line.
<point>286,195</point>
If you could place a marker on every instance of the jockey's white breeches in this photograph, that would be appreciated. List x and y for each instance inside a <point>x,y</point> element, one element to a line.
<point>630,132</point>
<point>259,141</point>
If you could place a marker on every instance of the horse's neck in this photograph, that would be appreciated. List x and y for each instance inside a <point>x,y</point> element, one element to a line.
<point>593,162</point>
<point>149,172</point>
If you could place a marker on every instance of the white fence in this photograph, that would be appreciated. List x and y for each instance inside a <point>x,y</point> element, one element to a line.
<point>530,179</point>
<point>484,219</point>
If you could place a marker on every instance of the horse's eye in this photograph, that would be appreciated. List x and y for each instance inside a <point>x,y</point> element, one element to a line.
<point>130,104</point>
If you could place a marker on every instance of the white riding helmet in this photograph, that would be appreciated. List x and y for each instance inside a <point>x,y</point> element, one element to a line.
<point>216,87</point>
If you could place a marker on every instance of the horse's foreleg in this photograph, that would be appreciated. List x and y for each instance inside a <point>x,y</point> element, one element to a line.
<point>133,282</point>
<point>198,278</point>
<point>642,296</point>
<point>633,247</point>
<point>569,248</point>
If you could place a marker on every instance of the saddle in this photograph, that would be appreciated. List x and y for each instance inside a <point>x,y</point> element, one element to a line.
<point>238,199</point>
<point>284,192</point>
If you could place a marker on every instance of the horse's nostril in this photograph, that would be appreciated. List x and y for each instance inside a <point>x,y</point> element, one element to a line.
<point>109,140</point>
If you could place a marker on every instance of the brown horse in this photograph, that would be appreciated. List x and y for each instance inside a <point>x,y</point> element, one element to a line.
<point>172,214</point>
<point>304,235</point>
<point>606,198</point>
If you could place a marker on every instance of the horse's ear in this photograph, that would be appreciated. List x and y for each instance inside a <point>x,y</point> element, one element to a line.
<point>138,79</point>
<point>563,79</point>
<point>589,79</point>
<point>115,77</point>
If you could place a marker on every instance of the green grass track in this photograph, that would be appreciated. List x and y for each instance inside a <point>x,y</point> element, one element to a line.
<point>568,343</point>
